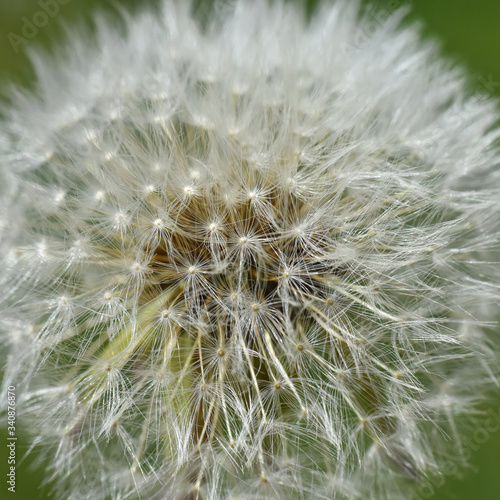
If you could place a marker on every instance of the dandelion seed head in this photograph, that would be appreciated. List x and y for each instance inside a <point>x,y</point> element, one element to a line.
<point>248,257</point>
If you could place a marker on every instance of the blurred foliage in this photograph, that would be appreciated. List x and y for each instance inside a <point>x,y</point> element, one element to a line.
<point>467,31</point>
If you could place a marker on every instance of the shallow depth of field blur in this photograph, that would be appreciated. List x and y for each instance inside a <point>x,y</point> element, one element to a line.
<point>467,31</point>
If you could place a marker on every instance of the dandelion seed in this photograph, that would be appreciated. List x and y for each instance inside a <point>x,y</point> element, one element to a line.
<point>260,262</point>
<point>100,195</point>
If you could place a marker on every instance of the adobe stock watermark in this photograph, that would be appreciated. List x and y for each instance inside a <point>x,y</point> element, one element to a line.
<point>370,26</point>
<point>11,438</point>
<point>487,83</point>
<point>471,444</point>
<point>30,28</point>
<point>485,88</point>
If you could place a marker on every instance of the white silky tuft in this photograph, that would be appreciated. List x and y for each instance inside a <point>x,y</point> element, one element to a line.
<point>251,259</point>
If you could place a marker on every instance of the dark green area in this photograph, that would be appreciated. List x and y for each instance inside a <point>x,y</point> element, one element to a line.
<point>467,31</point>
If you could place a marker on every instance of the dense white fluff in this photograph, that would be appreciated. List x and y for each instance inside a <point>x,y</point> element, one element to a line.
<point>254,258</point>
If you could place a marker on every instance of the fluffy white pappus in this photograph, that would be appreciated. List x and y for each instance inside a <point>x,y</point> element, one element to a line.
<point>253,257</point>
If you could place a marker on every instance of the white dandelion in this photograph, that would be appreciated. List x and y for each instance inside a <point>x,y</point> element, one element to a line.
<point>252,258</point>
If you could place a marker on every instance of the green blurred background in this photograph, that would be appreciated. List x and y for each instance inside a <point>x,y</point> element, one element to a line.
<point>467,31</point>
